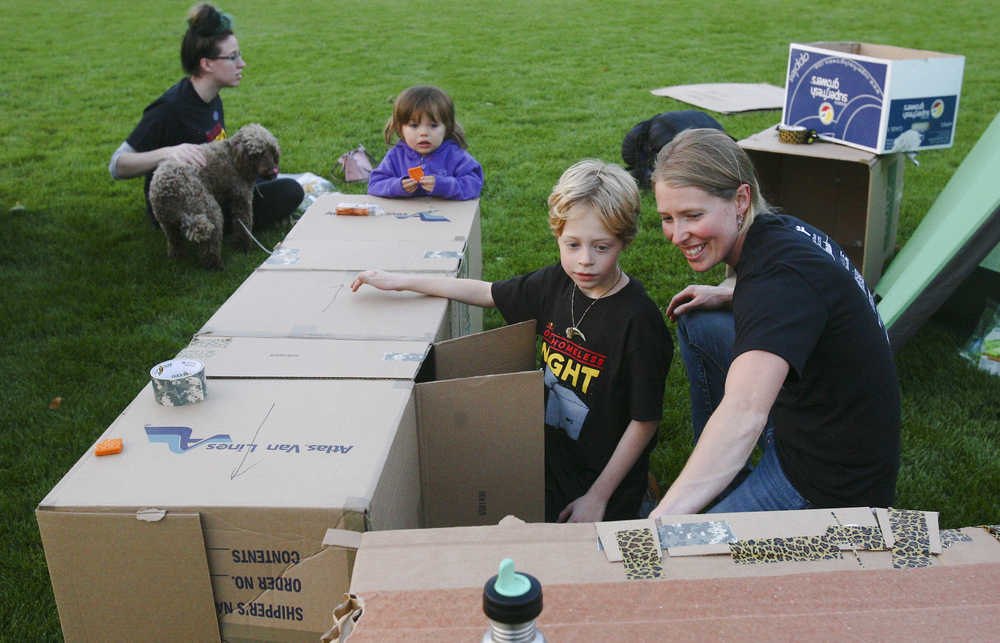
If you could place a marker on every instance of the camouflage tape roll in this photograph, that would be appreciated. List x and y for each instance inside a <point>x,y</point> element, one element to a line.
<point>178,382</point>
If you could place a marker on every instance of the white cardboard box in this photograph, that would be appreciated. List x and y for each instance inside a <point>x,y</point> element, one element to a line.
<point>868,96</point>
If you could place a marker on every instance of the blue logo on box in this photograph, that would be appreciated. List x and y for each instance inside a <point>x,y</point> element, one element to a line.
<point>178,438</point>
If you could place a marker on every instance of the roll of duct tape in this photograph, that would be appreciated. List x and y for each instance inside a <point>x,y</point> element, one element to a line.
<point>178,382</point>
<point>796,134</point>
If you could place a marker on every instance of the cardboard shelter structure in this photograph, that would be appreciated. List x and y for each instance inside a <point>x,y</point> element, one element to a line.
<point>430,582</point>
<point>327,413</point>
<point>960,230</point>
<point>850,194</point>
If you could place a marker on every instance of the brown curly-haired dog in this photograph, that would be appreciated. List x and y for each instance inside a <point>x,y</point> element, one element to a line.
<point>188,201</point>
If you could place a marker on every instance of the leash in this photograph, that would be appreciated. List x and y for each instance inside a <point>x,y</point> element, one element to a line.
<point>259,244</point>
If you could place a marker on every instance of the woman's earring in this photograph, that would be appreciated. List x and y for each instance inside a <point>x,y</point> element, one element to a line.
<point>739,222</point>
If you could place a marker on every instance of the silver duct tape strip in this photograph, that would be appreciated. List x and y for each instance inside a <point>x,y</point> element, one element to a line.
<point>178,382</point>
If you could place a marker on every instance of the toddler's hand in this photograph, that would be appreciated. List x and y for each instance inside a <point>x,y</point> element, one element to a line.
<point>427,183</point>
<point>378,279</point>
<point>409,184</point>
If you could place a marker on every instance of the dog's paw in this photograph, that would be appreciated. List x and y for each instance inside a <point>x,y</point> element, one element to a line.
<point>197,228</point>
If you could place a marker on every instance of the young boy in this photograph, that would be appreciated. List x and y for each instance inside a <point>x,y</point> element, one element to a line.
<point>604,343</point>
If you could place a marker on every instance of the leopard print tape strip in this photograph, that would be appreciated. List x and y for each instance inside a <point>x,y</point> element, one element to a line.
<point>856,537</point>
<point>777,550</point>
<point>795,134</point>
<point>640,554</point>
<point>913,541</point>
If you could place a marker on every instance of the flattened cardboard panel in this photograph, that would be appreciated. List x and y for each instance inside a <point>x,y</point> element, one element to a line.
<point>461,420</point>
<point>314,358</point>
<point>320,304</point>
<point>467,556</point>
<point>320,222</point>
<point>439,255</point>
<point>325,440</point>
<point>93,559</point>
<point>507,349</point>
<point>727,98</point>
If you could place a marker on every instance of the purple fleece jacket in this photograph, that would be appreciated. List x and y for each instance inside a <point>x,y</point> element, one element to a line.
<point>457,176</point>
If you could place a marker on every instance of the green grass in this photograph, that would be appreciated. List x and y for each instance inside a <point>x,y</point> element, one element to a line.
<point>89,300</point>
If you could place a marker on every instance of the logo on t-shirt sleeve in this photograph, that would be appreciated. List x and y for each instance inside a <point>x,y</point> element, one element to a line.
<point>217,133</point>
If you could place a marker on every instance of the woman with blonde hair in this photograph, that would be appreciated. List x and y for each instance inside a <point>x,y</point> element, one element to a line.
<point>789,353</point>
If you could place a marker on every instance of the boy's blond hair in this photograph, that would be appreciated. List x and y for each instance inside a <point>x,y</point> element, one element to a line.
<point>607,188</point>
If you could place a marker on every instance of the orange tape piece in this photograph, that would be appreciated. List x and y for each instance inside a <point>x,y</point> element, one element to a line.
<point>108,447</point>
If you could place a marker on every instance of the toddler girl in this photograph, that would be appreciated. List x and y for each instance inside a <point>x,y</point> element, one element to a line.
<point>430,157</point>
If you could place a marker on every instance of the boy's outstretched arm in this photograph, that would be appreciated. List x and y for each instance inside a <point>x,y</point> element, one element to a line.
<point>468,291</point>
<point>590,507</point>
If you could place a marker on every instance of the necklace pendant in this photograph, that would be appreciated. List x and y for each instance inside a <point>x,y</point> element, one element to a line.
<point>573,331</point>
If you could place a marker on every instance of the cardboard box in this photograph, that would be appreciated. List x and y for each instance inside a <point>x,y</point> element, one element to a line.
<point>869,96</point>
<point>320,304</point>
<point>239,515</point>
<point>436,577</point>
<point>435,256</point>
<point>850,194</point>
<point>455,225</point>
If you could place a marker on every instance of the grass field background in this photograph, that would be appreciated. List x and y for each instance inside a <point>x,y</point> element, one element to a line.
<point>90,301</point>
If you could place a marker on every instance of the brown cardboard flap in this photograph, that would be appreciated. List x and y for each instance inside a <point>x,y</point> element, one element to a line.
<point>92,560</point>
<point>482,449</point>
<point>606,533</point>
<point>507,349</point>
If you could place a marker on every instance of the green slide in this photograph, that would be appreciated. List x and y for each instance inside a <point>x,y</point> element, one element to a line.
<point>958,232</point>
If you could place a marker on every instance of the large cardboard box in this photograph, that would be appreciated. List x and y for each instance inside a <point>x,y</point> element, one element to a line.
<point>873,96</point>
<point>320,304</point>
<point>436,577</point>
<point>421,241</point>
<point>238,516</point>
<point>850,194</point>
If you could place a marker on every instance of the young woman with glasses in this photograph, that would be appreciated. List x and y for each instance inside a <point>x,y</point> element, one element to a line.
<point>190,113</point>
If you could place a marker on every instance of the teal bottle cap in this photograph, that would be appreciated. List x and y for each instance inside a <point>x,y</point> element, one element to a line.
<point>510,583</point>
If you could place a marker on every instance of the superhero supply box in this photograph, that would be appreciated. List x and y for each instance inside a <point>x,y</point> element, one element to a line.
<point>238,516</point>
<point>874,97</point>
<point>788,575</point>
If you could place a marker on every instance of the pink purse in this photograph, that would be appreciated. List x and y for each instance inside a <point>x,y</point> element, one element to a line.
<point>356,164</point>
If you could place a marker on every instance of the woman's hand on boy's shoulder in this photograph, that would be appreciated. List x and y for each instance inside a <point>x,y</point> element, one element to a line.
<point>379,279</point>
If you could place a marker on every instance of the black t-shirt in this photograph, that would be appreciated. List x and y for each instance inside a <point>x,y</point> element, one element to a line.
<point>178,116</point>
<point>837,416</point>
<point>593,388</point>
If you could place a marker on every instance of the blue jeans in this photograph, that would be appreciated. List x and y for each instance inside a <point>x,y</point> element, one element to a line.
<point>705,339</point>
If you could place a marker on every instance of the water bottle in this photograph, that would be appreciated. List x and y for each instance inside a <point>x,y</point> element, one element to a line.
<point>512,601</point>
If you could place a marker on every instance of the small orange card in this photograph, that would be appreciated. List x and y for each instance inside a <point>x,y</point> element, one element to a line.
<point>108,447</point>
<point>416,173</point>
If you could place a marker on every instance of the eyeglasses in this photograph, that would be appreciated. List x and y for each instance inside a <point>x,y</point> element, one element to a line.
<point>231,57</point>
